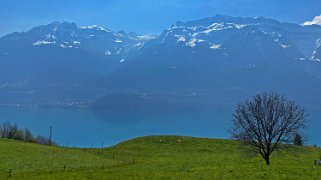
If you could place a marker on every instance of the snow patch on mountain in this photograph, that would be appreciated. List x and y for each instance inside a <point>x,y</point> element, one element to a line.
<point>318,42</point>
<point>240,26</point>
<point>43,42</point>
<point>95,27</point>
<point>139,45</point>
<point>192,42</point>
<point>146,37</point>
<point>215,46</point>
<point>223,26</point>
<point>284,46</point>
<point>314,58</point>
<point>119,50</point>
<point>180,38</point>
<point>108,53</point>
<point>65,46</point>
<point>314,53</point>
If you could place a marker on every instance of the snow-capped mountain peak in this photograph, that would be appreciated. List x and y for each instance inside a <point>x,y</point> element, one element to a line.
<point>218,32</point>
<point>93,38</point>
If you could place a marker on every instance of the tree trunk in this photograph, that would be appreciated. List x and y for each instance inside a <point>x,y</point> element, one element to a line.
<point>267,159</point>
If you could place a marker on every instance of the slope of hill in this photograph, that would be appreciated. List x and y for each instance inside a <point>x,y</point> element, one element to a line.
<point>157,157</point>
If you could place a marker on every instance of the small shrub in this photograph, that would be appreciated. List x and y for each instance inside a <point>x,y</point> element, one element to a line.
<point>298,140</point>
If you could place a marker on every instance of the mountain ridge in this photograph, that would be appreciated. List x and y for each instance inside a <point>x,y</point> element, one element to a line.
<point>213,54</point>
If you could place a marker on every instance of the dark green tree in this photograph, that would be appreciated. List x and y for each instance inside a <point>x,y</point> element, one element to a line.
<point>298,140</point>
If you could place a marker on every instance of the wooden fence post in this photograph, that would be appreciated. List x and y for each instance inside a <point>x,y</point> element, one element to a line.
<point>10,172</point>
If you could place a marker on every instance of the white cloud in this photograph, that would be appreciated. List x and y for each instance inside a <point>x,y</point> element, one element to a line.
<point>316,20</point>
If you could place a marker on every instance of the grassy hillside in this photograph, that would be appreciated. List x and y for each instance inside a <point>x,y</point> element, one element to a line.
<point>154,157</point>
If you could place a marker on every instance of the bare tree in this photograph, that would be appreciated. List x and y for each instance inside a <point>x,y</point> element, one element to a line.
<point>11,131</point>
<point>267,122</point>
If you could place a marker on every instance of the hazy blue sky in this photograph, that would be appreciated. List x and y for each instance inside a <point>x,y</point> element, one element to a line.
<point>145,16</point>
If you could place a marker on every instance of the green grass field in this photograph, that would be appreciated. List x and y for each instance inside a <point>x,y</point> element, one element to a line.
<point>154,157</point>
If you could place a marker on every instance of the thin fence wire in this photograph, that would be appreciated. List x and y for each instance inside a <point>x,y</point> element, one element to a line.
<point>63,167</point>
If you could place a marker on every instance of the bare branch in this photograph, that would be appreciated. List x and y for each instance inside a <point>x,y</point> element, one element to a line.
<point>267,122</point>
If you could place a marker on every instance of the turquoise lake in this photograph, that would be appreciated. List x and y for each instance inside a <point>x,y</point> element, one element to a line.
<point>88,128</point>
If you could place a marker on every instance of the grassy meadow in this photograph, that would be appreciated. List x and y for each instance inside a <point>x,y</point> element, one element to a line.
<point>154,157</point>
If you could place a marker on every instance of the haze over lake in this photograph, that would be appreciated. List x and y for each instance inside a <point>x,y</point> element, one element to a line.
<point>87,128</point>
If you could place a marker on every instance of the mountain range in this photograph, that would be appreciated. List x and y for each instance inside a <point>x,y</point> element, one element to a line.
<point>213,61</point>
